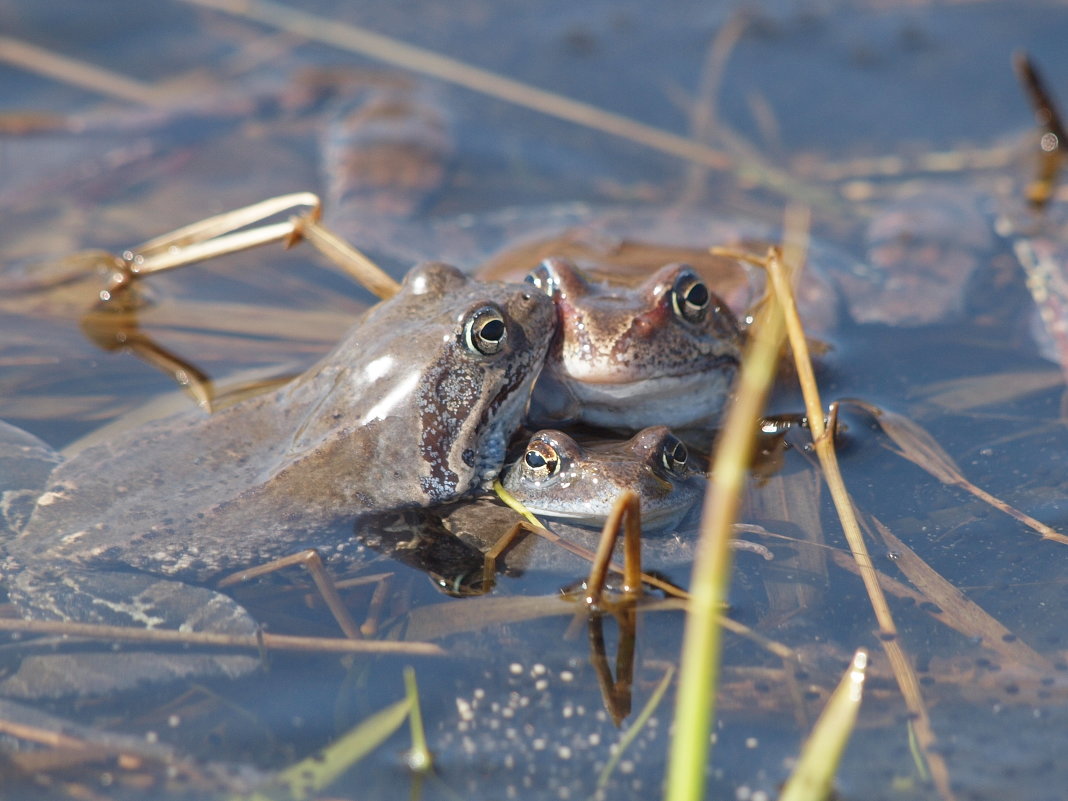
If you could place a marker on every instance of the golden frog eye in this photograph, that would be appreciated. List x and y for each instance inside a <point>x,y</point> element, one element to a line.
<point>542,459</point>
<point>673,455</point>
<point>485,331</point>
<point>690,297</point>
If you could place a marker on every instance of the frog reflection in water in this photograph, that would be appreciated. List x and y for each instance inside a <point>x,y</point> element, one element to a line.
<point>414,407</point>
<point>662,352</point>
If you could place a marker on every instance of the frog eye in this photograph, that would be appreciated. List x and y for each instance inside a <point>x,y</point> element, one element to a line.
<point>673,455</point>
<point>485,331</point>
<point>690,297</point>
<point>542,459</point>
<point>544,279</point>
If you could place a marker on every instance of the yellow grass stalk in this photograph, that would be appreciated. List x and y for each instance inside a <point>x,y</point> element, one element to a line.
<point>902,668</point>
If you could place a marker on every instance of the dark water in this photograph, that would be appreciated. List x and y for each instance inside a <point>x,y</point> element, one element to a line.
<point>515,710</point>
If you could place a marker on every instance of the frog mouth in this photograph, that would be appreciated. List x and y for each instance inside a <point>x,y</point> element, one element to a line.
<point>675,401</point>
<point>658,517</point>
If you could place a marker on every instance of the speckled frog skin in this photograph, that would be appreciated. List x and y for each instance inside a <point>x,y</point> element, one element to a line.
<point>557,477</point>
<point>662,352</point>
<point>413,408</point>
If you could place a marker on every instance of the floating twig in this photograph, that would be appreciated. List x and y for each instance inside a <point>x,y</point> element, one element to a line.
<point>279,642</point>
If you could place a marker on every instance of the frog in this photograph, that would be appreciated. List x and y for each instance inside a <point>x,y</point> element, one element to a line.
<point>662,352</point>
<point>413,408</point>
<point>579,483</point>
<point>573,486</point>
<point>649,321</point>
<point>561,479</point>
<point>652,322</point>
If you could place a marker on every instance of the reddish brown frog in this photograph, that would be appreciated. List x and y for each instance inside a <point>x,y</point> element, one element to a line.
<point>665,351</point>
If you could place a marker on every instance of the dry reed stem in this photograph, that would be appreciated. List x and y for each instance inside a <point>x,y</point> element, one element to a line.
<point>959,611</point>
<point>214,227</point>
<point>406,56</point>
<point>535,527</point>
<point>281,642</point>
<point>76,72</point>
<point>900,664</point>
<point>917,446</point>
<point>348,258</point>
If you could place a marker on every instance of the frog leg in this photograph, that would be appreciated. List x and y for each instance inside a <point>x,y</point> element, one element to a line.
<point>625,516</point>
<point>137,600</point>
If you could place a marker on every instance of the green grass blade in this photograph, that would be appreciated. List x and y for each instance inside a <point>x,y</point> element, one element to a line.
<point>699,665</point>
<point>419,758</point>
<point>311,775</point>
<point>636,727</point>
<point>812,778</point>
<point>514,504</point>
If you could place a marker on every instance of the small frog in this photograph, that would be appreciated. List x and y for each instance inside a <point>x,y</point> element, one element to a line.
<point>662,352</point>
<point>558,478</point>
<point>555,477</point>
<point>413,408</point>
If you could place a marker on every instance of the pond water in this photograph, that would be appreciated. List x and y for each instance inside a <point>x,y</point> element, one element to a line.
<point>809,100</point>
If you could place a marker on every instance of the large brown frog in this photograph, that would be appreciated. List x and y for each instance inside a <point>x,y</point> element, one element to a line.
<point>413,408</point>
